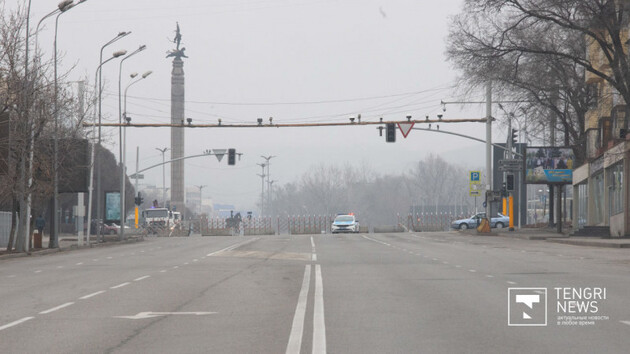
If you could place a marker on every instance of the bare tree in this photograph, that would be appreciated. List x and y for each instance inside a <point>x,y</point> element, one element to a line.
<point>534,52</point>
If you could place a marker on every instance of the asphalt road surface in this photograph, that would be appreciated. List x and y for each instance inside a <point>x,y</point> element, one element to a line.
<point>365,293</point>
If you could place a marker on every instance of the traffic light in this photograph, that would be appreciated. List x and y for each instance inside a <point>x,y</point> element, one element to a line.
<point>514,137</point>
<point>509,184</point>
<point>231,157</point>
<point>139,199</point>
<point>390,134</point>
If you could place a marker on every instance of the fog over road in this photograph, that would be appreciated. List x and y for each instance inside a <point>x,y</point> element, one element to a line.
<point>357,293</point>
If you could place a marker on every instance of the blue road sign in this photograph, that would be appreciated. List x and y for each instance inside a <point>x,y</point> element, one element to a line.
<point>475,176</point>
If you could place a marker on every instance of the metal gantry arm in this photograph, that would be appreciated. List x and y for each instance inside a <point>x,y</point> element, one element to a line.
<point>173,160</point>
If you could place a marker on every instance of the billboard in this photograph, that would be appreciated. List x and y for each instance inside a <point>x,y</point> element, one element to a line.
<point>112,207</point>
<point>549,165</point>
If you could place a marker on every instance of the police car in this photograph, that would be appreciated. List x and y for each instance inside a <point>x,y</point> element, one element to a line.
<point>345,223</point>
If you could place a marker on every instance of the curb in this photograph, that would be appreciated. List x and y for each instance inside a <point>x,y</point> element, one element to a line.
<point>590,243</point>
<point>46,251</point>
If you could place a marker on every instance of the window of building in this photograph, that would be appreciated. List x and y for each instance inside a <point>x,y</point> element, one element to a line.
<point>615,187</point>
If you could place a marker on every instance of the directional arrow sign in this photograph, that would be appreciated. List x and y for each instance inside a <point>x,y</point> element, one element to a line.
<point>219,153</point>
<point>405,128</point>
<point>143,315</point>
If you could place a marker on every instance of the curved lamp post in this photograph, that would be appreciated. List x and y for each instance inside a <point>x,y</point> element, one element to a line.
<point>63,6</point>
<point>99,210</point>
<point>121,235</point>
<point>94,150</point>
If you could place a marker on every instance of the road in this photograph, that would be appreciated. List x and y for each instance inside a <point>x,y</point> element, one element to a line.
<point>364,293</point>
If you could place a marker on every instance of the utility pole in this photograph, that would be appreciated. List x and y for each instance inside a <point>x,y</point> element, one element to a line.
<point>488,145</point>
<point>163,175</point>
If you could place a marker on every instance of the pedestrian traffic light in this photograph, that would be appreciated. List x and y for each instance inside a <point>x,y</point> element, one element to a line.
<point>514,137</point>
<point>509,184</point>
<point>231,157</point>
<point>390,134</point>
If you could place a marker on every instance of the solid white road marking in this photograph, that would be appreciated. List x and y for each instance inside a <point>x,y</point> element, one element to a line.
<point>142,278</point>
<point>297,328</point>
<point>319,325</point>
<point>91,295</point>
<point>120,285</point>
<point>143,315</point>
<point>15,323</point>
<point>539,292</point>
<point>56,308</point>
<point>312,242</point>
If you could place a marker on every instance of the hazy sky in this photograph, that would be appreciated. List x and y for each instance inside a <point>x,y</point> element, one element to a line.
<point>293,60</point>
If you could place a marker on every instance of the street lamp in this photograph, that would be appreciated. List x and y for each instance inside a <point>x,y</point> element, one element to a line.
<point>267,158</point>
<point>63,6</point>
<point>95,151</point>
<point>200,199</point>
<point>163,174</point>
<point>127,118</point>
<point>99,211</point>
<point>26,92</point>
<point>262,188</point>
<point>121,235</point>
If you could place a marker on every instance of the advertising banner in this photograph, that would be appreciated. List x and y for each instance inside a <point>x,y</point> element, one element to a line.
<point>549,165</point>
<point>112,206</point>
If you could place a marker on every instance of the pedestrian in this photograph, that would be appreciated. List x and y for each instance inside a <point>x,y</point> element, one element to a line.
<point>40,223</point>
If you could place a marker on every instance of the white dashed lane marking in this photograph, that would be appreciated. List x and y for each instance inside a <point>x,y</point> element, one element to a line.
<point>91,295</point>
<point>15,323</point>
<point>142,278</point>
<point>120,285</point>
<point>56,308</point>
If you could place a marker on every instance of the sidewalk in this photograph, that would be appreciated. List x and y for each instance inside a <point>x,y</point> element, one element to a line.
<point>550,235</point>
<point>68,242</point>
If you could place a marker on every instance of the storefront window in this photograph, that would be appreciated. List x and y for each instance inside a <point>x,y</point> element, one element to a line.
<point>582,199</point>
<point>598,198</point>
<point>615,186</point>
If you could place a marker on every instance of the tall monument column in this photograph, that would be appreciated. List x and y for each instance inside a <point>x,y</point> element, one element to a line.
<point>178,195</point>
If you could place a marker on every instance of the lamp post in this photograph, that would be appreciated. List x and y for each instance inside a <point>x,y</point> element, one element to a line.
<point>262,188</point>
<point>200,199</point>
<point>26,92</point>
<point>121,235</point>
<point>99,209</point>
<point>64,6</point>
<point>127,118</point>
<point>267,158</point>
<point>94,151</point>
<point>163,174</point>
